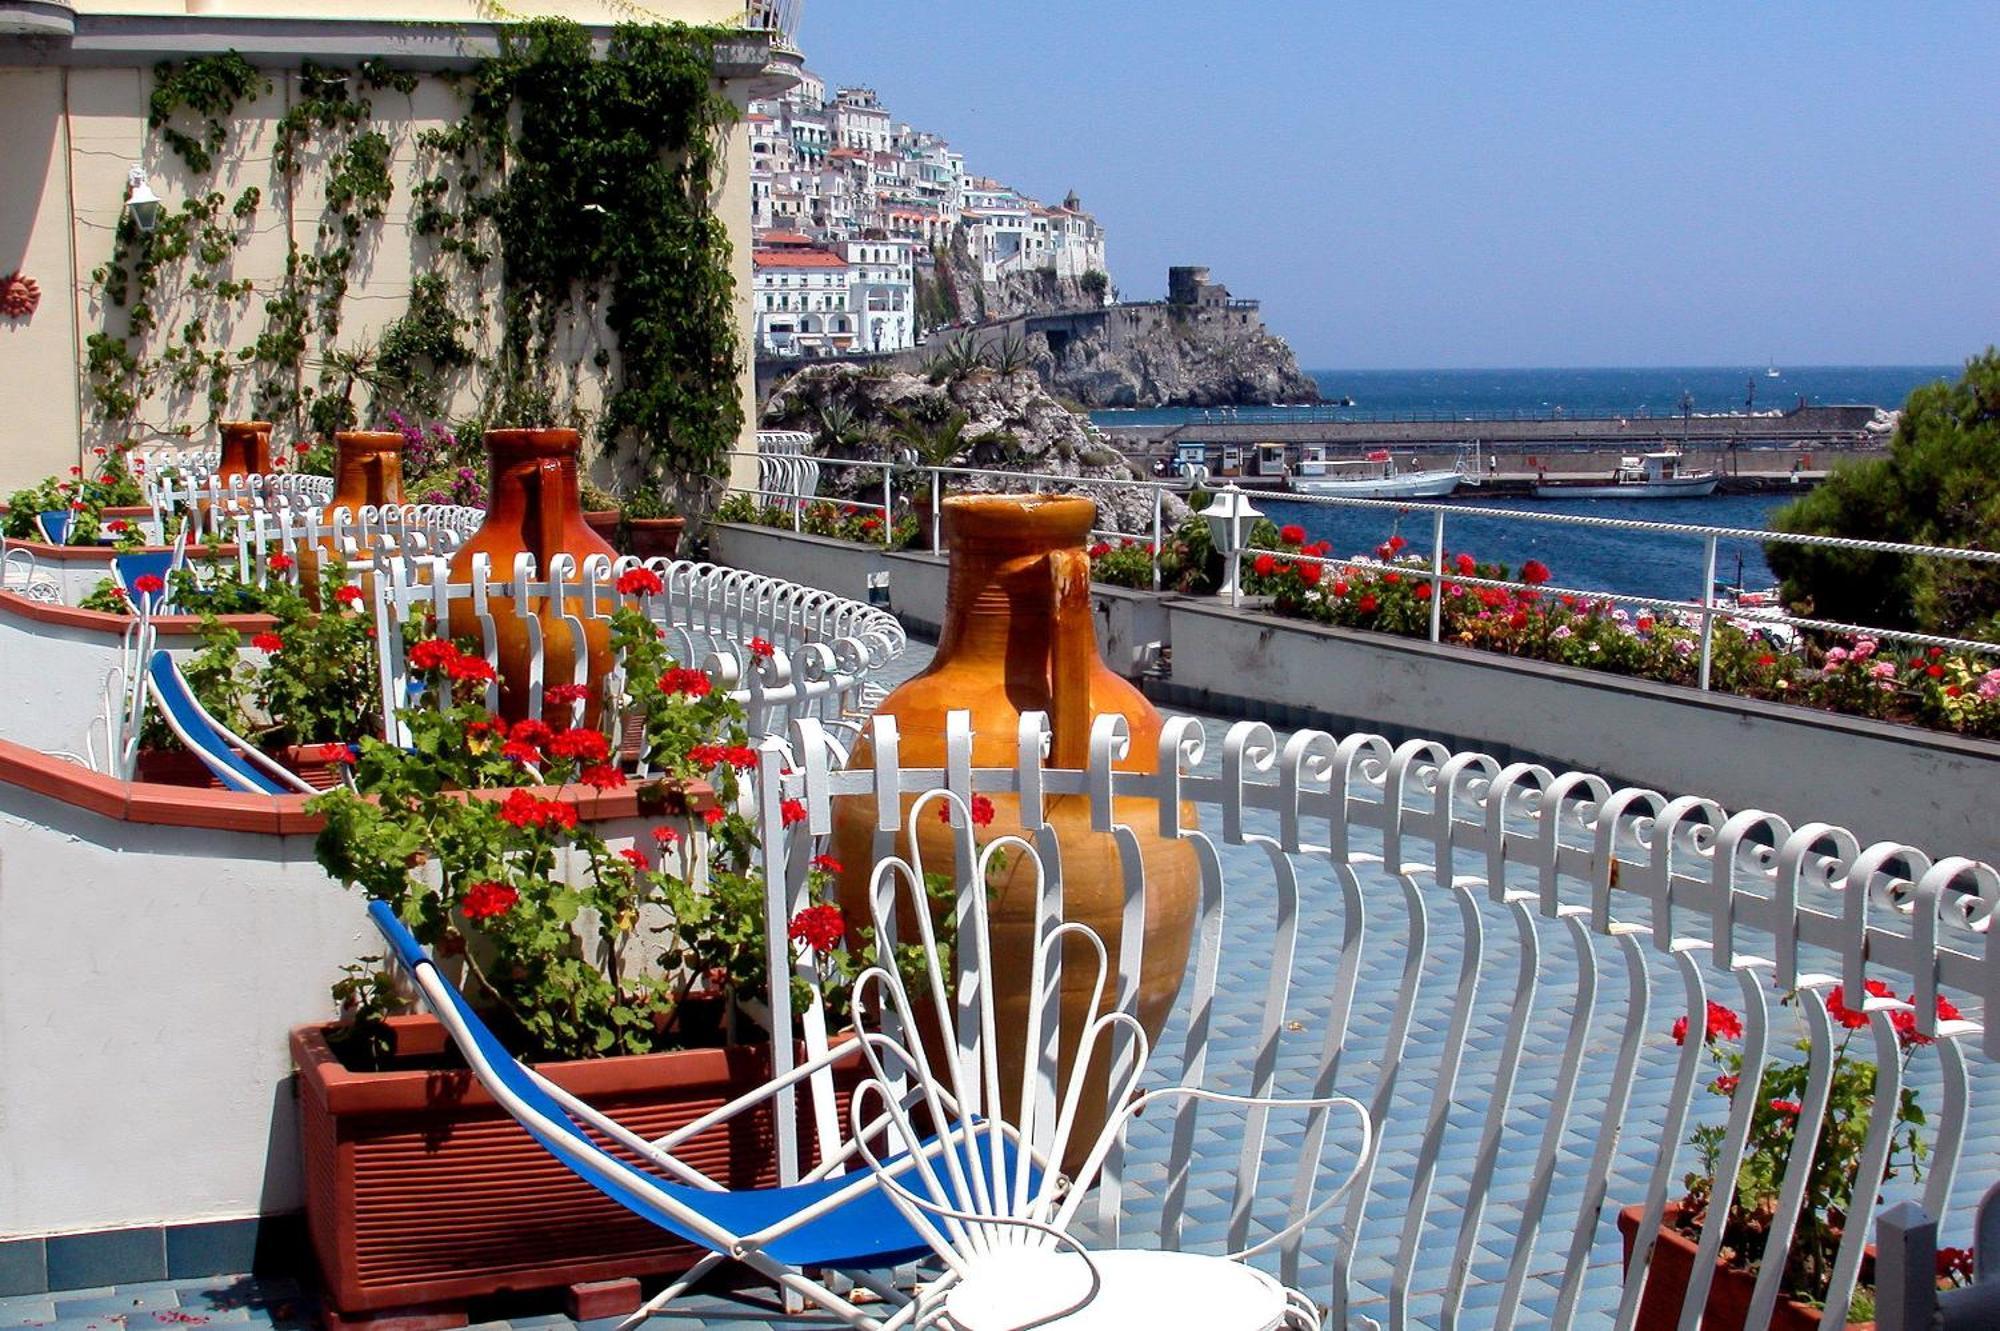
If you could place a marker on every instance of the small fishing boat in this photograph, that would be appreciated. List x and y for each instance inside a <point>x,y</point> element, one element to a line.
<point>1375,477</point>
<point>1646,476</point>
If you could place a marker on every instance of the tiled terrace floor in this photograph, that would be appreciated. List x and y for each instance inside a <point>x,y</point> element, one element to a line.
<point>282,1304</point>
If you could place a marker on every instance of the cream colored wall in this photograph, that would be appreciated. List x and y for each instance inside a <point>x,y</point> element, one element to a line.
<point>38,365</point>
<point>74,133</point>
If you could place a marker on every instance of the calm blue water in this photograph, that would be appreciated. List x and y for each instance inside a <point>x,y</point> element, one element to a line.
<point>1612,561</point>
<point>1633,392</point>
<point>1635,564</point>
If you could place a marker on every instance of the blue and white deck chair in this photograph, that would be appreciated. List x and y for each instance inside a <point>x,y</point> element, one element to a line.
<point>55,525</point>
<point>235,761</point>
<point>128,568</point>
<point>828,1221</point>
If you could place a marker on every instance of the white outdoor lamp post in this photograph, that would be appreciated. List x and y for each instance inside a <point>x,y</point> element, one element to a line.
<point>1227,513</point>
<point>141,201</point>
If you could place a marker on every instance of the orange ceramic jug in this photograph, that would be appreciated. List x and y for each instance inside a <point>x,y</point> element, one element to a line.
<point>367,471</point>
<point>1018,637</point>
<point>537,507</point>
<point>246,450</point>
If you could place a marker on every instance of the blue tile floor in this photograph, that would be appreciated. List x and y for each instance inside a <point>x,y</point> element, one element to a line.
<point>1380,1257</point>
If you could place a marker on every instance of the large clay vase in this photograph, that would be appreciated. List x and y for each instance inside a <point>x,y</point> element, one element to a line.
<point>535,506</point>
<point>367,471</point>
<point>246,450</point>
<point>1018,637</point>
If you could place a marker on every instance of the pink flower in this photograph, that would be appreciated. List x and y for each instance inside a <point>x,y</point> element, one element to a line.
<point>1836,656</point>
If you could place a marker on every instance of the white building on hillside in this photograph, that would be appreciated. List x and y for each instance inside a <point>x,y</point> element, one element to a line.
<point>882,293</point>
<point>802,296</point>
<point>860,122</point>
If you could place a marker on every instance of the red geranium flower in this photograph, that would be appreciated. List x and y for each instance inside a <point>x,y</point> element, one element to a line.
<point>713,816</point>
<point>640,582</point>
<point>531,731</point>
<point>818,927</point>
<point>580,745</point>
<point>761,649</point>
<point>792,811</point>
<point>148,584</point>
<point>433,654</point>
<point>484,900</point>
<point>1396,544</point>
<point>264,642</point>
<point>635,857</point>
<point>521,753</point>
<point>1723,1024</point>
<point>349,595</point>
<point>1311,573</point>
<point>826,864</point>
<point>1292,534</point>
<point>693,683</point>
<point>1726,1084</point>
<point>116,524</point>
<point>565,695</point>
<point>1788,1107</point>
<point>1423,591</point>
<point>1340,589</point>
<point>470,669</point>
<point>1265,564</point>
<point>1467,565</point>
<point>1101,549</point>
<point>1366,605</point>
<point>280,563</point>
<point>665,836</point>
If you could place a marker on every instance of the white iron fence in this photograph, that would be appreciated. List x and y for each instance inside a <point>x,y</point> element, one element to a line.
<point>824,652</point>
<point>903,486</point>
<point>1491,956</point>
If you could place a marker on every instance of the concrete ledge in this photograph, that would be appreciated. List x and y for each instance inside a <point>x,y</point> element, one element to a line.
<point>1884,781</point>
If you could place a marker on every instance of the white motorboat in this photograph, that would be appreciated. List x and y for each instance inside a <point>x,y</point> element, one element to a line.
<point>1376,477</point>
<point>1646,476</point>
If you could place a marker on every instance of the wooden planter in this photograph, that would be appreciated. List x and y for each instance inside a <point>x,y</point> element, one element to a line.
<point>422,1192</point>
<point>178,767</point>
<point>1728,1296</point>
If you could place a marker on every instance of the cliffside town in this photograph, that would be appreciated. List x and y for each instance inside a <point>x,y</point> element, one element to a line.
<point>871,236</point>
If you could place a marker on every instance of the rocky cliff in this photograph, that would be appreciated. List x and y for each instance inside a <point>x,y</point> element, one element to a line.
<point>952,290</point>
<point>1173,361</point>
<point>978,418</point>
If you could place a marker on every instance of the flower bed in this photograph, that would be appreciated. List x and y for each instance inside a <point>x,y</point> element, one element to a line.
<point>1391,593</point>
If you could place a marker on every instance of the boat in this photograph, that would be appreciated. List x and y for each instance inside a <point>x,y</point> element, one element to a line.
<point>1646,476</point>
<point>1375,477</point>
<point>1770,370</point>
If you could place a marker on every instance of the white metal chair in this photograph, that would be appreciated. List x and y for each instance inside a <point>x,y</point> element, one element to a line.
<point>1006,1238</point>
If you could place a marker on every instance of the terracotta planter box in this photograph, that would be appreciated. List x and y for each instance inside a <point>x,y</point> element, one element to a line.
<point>1728,1296</point>
<point>421,1191</point>
<point>604,521</point>
<point>178,767</point>
<point>653,538</point>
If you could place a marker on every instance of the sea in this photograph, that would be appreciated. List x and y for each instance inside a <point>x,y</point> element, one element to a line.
<point>1614,562</point>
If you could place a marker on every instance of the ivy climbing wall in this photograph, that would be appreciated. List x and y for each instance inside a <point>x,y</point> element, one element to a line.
<point>333,243</point>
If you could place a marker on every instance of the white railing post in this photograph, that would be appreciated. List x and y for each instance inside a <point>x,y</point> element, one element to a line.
<point>1707,608</point>
<point>888,505</point>
<point>1437,573</point>
<point>937,485</point>
<point>1159,532</point>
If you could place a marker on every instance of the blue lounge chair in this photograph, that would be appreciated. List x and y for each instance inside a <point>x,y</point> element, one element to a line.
<point>127,569</point>
<point>55,525</point>
<point>235,762</point>
<point>832,1221</point>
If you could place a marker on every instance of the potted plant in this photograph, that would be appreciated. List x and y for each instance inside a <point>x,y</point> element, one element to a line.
<point>1832,1186</point>
<point>651,529</point>
<point>110,490</point>
<point>611,967</point>
<point>600,510</point>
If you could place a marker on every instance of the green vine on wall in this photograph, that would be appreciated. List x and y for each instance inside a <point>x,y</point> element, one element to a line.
<point>588,179</point>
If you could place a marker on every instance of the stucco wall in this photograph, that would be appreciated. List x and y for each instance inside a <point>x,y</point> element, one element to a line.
<point>70,130</point>
<point>151,978</point>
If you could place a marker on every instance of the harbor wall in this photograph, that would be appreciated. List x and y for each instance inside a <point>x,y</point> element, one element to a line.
<point>1886,782</point>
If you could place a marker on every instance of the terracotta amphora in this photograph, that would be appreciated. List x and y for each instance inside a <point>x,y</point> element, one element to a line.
<point>246,450</point>
<point>537,507</point>
<point>367,471</point>
<point>1019,637</point>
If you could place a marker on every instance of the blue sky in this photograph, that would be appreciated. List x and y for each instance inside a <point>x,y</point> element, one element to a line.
<point>1496,183</point>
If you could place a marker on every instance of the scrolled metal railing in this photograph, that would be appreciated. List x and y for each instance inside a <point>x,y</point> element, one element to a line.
<point>1490,955</point>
